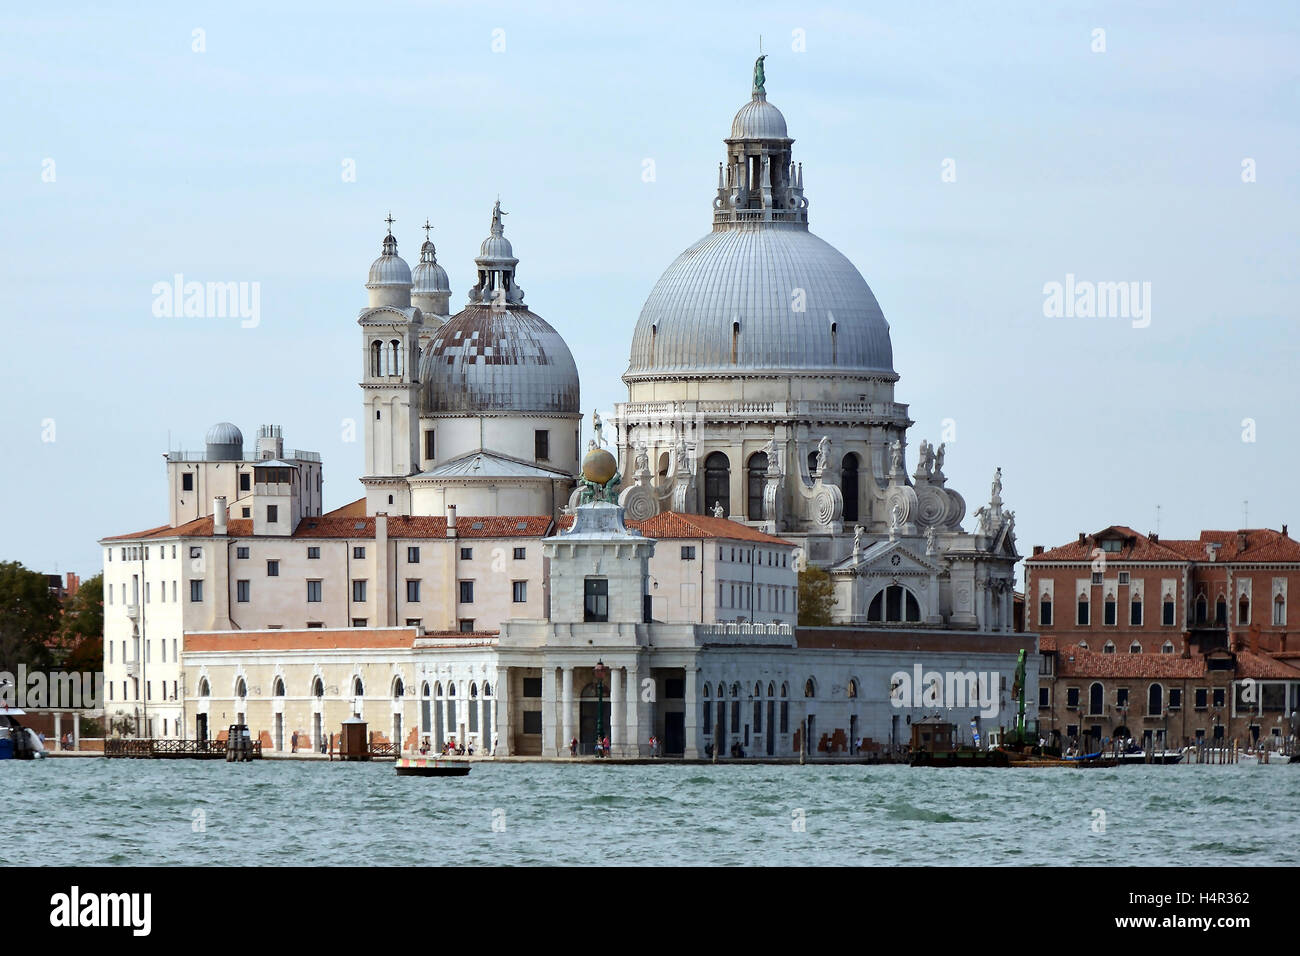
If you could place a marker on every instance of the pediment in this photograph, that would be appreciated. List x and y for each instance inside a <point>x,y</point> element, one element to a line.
<point>888,558</point>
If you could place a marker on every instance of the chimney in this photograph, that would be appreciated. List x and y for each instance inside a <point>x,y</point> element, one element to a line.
<point>1038,549</point>
<point>451,521</point>
<point>1284,531</point>
<point>1083,538</point>
<point>219,515</point>
<point>1155,538</point>
<point>1241,541</point>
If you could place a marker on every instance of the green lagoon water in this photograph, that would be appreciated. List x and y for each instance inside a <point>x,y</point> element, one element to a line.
<point>95,812</point>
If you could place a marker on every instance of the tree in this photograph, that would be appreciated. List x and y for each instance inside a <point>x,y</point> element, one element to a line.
<point>816,597</point>
<point>29,617</point>
<point>81,635</point>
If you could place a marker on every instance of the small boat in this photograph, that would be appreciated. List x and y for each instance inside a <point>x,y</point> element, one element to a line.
<point>431,767</point>
<point>16,741</point>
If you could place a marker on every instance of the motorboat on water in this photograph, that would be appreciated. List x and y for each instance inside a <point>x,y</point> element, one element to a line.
<point>16,741</point>
<point>431,767</point>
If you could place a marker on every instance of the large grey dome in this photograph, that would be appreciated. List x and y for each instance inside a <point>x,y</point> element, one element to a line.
<point>758,119</point>
<point>389,269</point>
<point>498,360</point>
<point>752,277</point>
<point>429,277</point>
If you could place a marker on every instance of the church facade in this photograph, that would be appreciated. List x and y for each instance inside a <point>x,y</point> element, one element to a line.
<point>489,585</point>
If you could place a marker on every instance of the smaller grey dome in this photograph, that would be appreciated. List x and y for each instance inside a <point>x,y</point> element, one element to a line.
<point>758,119</point>
<point>224,433</point>
<point>428,277</point>
<point>496,247</point>
<point>389,269</point>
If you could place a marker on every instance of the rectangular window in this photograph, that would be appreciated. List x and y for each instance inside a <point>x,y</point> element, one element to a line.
<point>1108,612</point>
<point>313,553</point>
<point>533,722</point>
<point>241,592</point>
<point>1072,698</point>
<point>273,569</point>
<point>241,553</point>
<point>412,555</point>
<point>1123,577</point>
<point>358,553</point>
<point>467,554</point>
<point>1044,697</point>
<point>1175,698</point>
<point>520,589</point>
<point>187,481</point>
<point>596,600</point>
<point>196,591</point>
<point>1218,697</point>
<point>196,552</point>
<point>358,591</point>
<point>1135,612</point>
<point>532,687</point>
<point>414,621</point>
<point>429,444</point>
<point>358,622</point>
<point>1045,612</point>
<point>1082,617</point>
<point>688,552</point>
<point>1167,616</point>
<point>313,592</point>
<point>272,514</point>
<point>1201,696</point>
<point>245,482</point>
<point>413,591</point>
<point>1096,577</point>
<point>521,553</point>
<point>245,512</point>
<point>466,592</point>
<point>315,623</point>
<point>542,444</point>
<point>1121,697</point>
<point>467,625</point>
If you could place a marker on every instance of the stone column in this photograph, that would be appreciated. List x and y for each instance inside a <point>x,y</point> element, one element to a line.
<point>502,724</point>
<point>549,730</point>
<point>692,715</point>
<point>617,709</point>
<point>566,708</point>
<point>58,730</point>
<point>76,730</point>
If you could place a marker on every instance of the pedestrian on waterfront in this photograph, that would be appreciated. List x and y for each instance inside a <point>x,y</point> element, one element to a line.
<point>293,743</point>
<point>652,745</point>
<point>607,745</point>
<point>573,747</point>
<point>495,740</point>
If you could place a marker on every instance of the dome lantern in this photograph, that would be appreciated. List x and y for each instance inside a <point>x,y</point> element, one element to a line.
<point>389,281</point>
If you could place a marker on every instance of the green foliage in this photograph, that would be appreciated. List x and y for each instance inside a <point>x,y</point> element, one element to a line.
<point>816,597</point>
<point>29,617</point>
<point>81,634</point>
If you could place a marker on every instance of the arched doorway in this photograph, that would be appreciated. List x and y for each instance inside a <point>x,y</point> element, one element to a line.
<point>757,478</point>
<point>1095,699</point>
<point>717,483</point>
<point>849,486</point>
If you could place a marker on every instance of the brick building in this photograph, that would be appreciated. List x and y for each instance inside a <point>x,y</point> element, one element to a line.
<point>1167,640</point>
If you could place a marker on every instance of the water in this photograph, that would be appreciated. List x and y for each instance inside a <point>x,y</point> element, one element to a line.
<point>94,812</point>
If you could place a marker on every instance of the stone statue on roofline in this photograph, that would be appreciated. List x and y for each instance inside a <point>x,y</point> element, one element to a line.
<point>717,510</point>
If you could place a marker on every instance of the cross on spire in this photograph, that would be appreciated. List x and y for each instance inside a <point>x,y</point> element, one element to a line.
<point>426,228</point>
<point>390,220</point>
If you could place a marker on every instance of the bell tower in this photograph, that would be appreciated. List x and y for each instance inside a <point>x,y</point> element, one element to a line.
<point>390,386</point>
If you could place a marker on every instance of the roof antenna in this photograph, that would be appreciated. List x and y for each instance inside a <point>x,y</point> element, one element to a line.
<point>1245,514</point>
<point>1157,521</point>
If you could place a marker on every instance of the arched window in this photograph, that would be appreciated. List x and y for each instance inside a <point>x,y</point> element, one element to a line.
<point>735,341</point>
<point>849,486</point>
<point>1279,610</point>
<point>358,689</point>
<point>809,688</point>
<point>1108,648</point>
<point>771,690</point>
<point>395,366</point>
<point>451,688</point>
<point>376,359</point>
<point>473,689</point>
<point>757,478</point>
<point>1108,610</point>
<point>241,688</point>
<point>785,708</point>
<point>205,690</point>
<point>1243,610</point>
<point>894,604</point>
<point>758,690</point>
<point>812,462</point>
<point>1045,610</point>
<point>1095,704</point>
<point>1167,647</point>
<point>834,343</point>
<point>487,689</point>
<point>398,688</point>
<point>318,688</point>
<point>279,687</point>
<point>717,482</point>
<point>424,689</point>
<point>1155,700</point>
<point>1084,645</point>
<point>707,695</point>
<point>735,706</point>
<point>1081,612</point>
<point>708,711</point>
<point>1202,609</point>
<point>1221,612</point>
<point>853,687</point>
<point>1135,648</point>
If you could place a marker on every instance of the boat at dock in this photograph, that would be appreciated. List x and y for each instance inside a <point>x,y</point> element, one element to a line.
<point>431,767</point>
<point>16,741</point>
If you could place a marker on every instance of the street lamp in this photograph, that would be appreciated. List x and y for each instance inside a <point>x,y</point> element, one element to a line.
<point>601,672</point>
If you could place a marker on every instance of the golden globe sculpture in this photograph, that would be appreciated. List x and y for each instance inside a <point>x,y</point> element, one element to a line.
<point>600,479</point>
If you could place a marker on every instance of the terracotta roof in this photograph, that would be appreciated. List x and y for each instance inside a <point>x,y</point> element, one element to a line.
<point>309,639</point>
<point>675,524</point>
<point>1261,545</point>
<point>1264,667</point>
<point>353,509</point>
<point>1076,662</point>
<point>333,525</point>
<point>1046,643</point>
<point>1139,547</point>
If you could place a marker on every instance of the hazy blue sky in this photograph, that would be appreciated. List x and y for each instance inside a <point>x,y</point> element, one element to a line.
<point>226,165</point>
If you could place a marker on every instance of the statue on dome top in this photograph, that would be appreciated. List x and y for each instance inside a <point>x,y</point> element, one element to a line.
<point>759,77</point>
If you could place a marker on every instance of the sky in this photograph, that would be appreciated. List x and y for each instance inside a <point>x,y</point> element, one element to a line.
<point>963,156</point>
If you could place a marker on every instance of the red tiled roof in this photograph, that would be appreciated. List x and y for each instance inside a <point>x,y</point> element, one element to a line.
<point>1264,667</point>
<point>675,524</point>
<point>333,525</point>
<point>305,640</point>
<point>1263,545</point>
<point>1076,662</point>
<point>1046,643</point>
<point>353,509</point>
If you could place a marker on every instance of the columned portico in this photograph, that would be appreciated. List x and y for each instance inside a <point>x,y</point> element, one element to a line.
<point>566,707</point>
<point>616,710</point>
<point>549,729</point>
